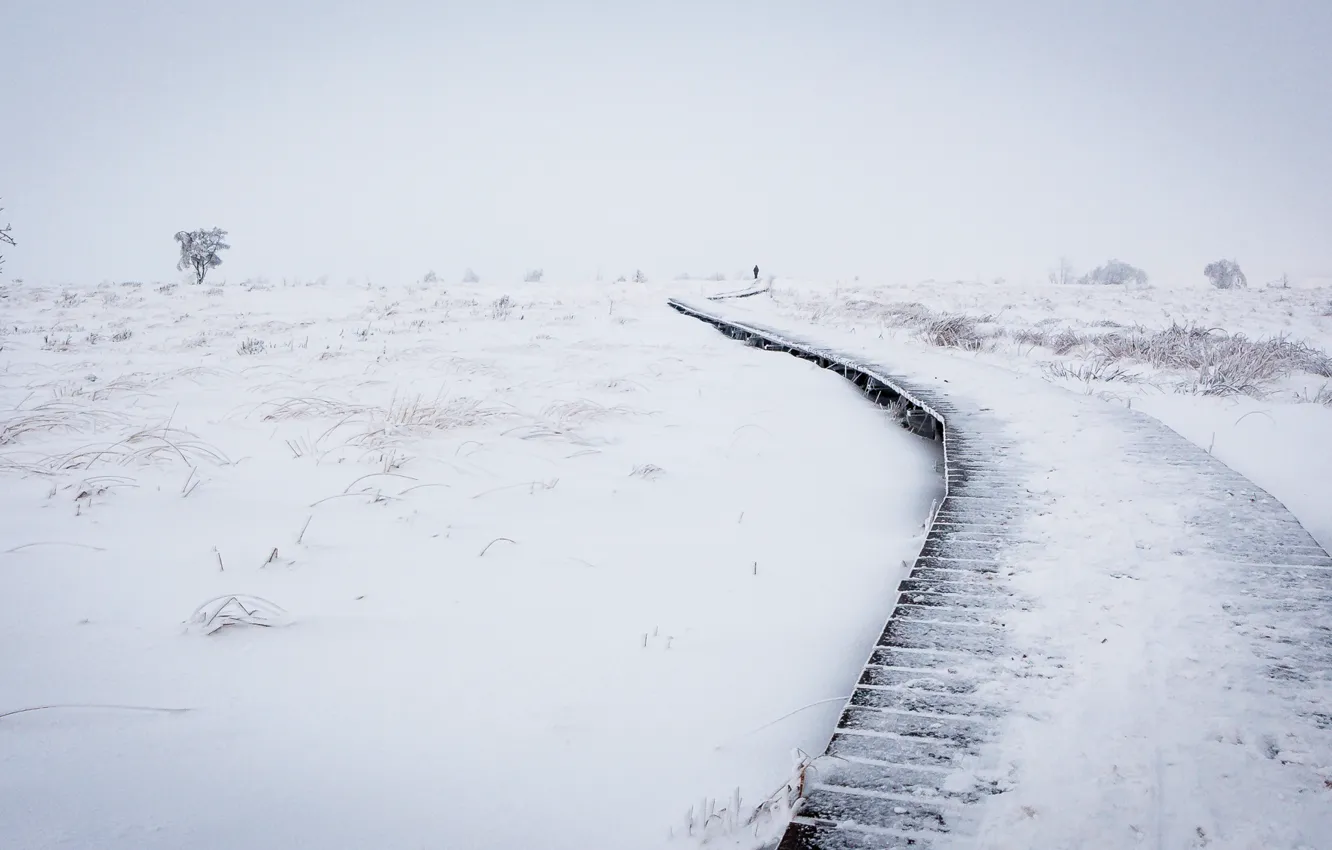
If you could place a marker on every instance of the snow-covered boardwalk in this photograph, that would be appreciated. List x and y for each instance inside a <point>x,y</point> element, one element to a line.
<point>1109,638</point>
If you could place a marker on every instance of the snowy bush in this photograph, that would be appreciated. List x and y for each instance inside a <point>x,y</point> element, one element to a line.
<point>470,276</point>
<point>1115,273</point>
<point>1226,274</point>
<point>639,277</point>
<point>199,250</point>
<point>501,307</point>
<point>251,346</point>
<point>430,277</point>
<point>533,276</point>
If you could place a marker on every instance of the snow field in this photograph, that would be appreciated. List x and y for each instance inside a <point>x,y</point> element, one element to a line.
<point>553,559</point>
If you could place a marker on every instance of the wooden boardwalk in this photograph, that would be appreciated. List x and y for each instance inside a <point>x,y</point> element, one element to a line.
<point>936,693</point>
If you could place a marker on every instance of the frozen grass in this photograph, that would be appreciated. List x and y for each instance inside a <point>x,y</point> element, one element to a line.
<point>142,447</point>
<point>1225,364</point>
<point>56,416</point>
<point>1322,395</point>
<point>1203,360</point>
<point>953,332</point>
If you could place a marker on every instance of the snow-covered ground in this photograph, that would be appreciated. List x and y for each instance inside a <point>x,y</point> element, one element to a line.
<point>549,566</point>
<point>1276,433</point>
<point>549,560</point>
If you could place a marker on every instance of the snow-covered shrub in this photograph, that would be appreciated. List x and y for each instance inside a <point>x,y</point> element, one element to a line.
<point>1226,274</point>
<point>533,276</point>
<point>501,307</point>
<point>251,345</point>
<point>639,277</point>
<point>430,277</point>
<point>470,276</point>
<point>1115,273</point>
<point>199,250</point>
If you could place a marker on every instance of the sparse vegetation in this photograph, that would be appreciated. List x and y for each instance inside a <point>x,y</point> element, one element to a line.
<point>533,276</point>
<point>1215,362</point>
<point>1224,364</point>
<point>1323,396</point>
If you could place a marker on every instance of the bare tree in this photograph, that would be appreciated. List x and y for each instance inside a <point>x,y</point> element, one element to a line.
<point>6,238</point>
<point>198,250</point>
<point>1226,274</point>
<point>1064,274</point>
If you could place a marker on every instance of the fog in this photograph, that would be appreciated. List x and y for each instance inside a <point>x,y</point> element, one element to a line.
<point>889,140</point>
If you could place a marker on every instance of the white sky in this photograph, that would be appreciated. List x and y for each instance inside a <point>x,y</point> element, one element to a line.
<point>820,139</point>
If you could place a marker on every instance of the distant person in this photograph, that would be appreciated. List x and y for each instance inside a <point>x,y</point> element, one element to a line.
<point>755,272</point>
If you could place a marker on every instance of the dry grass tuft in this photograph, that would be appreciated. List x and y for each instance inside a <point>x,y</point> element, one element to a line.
<point>1322,396</point>
<point>1095,369</point>
<point>56,417</point>
<point>953,331</point>
<point>146,446</point>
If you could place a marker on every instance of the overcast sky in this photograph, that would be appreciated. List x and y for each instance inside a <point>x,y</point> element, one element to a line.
<point>891,140</point>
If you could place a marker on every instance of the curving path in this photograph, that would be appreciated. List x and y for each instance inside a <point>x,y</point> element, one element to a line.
<point>1109,639</point>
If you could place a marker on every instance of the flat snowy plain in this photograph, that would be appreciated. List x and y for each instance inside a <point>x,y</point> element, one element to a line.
<point>551,559</point>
